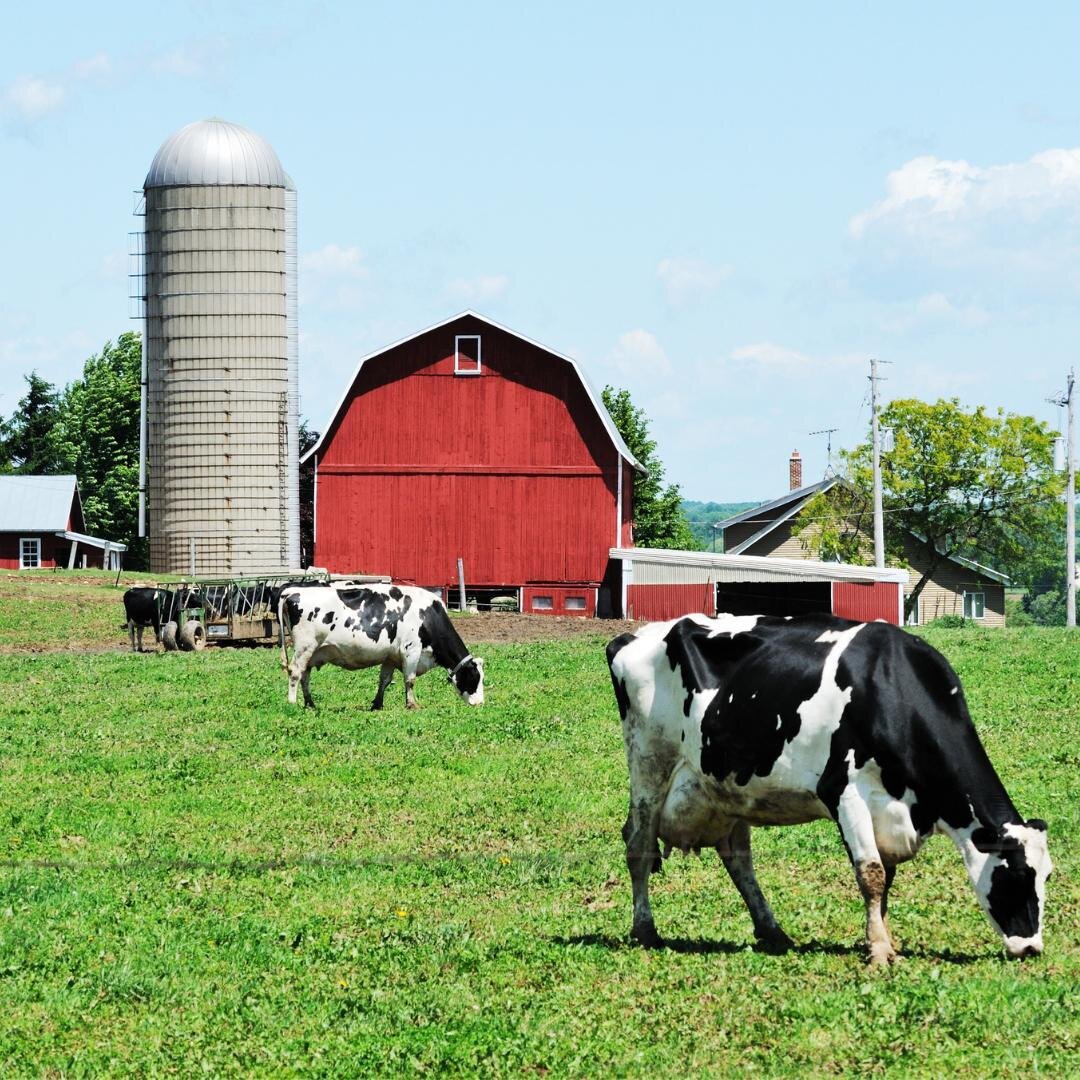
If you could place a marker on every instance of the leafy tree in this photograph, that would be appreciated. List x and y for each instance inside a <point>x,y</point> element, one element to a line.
<point>26,443</point>
<point>659,520</point>
<point>703,516</point>
<point>96,436</point>
<point>969,483</point>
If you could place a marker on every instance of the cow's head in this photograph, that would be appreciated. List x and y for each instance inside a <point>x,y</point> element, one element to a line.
<point>467,678</point>
<point>1011,884</point>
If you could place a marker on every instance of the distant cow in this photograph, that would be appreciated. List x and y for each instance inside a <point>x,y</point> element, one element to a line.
<point>397,627</point>
<point>747,720</point>
<point>146,607</point>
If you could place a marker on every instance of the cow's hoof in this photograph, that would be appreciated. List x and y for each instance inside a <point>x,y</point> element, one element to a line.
<point>647,937</point>
<point>881,957</point>
<point>412,706</point>
<point>775,941</point>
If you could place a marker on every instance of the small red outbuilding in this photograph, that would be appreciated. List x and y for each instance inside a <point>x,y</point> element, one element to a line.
<point>468,441</point>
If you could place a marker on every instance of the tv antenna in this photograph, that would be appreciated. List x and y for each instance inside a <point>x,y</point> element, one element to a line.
<point>828,433</point>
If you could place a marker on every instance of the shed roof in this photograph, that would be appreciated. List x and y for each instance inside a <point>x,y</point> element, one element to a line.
<point>36,503</point>
<point>594,397</point>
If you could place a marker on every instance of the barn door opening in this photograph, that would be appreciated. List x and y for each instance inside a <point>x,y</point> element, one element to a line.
<point>773,597</point>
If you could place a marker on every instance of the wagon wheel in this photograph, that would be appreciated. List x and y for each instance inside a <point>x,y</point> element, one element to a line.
<point>168,637</point>
<point>192,636</point>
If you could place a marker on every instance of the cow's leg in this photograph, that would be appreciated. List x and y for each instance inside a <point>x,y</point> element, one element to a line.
<point>642,858</point>
<point>386,675</point>
<point>857,829</point>
<point>131,634</point>
<point>408,669</point>
<point>739,863</point>
<point>299,674</point>
<point>890,873</point>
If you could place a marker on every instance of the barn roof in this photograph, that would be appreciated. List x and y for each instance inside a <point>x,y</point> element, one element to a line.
<point>36,503</point>
<point>594,397</point>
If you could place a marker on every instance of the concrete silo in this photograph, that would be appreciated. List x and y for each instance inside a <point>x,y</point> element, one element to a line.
<point>221,399</point>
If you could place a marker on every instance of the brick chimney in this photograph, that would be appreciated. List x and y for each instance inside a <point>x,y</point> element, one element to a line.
<point>795,470</point>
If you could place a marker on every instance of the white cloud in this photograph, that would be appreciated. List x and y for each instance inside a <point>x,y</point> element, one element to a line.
<point>686,279</point>
<point>935,310</point>
<point>334,278</point>
<point>29,97</point>
<point>478,290</point>
<point>638,353</point>
<point>929,194</point>
<point>95,67</point>
<point>192,59</point>
<point>769,356</point>
<point>332,259</point>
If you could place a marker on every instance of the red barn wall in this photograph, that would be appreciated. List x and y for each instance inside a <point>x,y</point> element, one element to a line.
<point>512,469</point>
<point>867,602</point>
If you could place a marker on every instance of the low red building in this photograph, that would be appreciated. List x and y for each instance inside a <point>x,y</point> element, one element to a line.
<point>41,526</point>
<point>469,441</point>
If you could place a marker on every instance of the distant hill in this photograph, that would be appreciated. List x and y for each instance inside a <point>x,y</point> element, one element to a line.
<point>702,516</point>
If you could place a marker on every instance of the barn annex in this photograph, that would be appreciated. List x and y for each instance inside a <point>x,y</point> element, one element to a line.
<point>469,441</point>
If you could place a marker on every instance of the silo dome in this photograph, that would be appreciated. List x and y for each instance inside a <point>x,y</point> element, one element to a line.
<point>212,152</point>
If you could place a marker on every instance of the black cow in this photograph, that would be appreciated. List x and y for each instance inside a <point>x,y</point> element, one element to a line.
<point>146,607</point>
<point>748,720</point>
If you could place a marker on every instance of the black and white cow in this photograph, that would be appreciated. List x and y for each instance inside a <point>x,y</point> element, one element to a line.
<point>749,720</point>
<point>398,627</point>
<point>143,607</point>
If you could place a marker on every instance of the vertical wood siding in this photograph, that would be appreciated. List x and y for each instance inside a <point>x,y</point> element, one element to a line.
<point>510,470</point>
<point>865,603</point>
<point>658,602</point>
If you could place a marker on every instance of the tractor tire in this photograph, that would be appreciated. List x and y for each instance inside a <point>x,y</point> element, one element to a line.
<point>193,636</point>
<point>168,637</point>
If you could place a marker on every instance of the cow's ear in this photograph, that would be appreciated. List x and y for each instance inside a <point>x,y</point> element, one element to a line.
<point>1036,823</point>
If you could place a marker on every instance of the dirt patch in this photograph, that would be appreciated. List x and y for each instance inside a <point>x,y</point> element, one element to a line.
<point>499,626</point>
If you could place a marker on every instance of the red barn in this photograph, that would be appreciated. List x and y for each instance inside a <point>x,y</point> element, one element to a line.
<point>470,441</point>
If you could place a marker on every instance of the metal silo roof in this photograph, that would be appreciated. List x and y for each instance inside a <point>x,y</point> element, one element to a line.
<point>211,152</point>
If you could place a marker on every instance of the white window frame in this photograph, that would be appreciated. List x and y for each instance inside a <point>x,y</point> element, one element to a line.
<point>915,618</point>
<point>36,541</point>
<point>977,598</point>
<point>545,602</point>
<point>575,603</point>
<point>458,369</point>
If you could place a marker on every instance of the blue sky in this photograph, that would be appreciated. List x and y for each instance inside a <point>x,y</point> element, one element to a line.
<point>725,209</point>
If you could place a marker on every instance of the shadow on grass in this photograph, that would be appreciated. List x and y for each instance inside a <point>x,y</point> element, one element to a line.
<point>701,947</point>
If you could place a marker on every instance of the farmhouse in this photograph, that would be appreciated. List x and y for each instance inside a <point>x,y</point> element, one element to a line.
<point>41,525</point>
<point>956,586</point>
<point>469,441</point>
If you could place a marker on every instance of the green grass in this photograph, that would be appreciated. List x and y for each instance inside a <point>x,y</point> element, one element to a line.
<point>198,878</point>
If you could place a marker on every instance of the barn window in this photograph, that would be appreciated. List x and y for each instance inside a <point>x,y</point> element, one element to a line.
<point>575,603</point>
<point>974,605</point>
<point>467,354</point>
<point>29,553</point>
<point>541,603</point>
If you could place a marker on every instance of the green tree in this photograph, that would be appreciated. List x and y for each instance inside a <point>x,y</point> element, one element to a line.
<point>96,435</point>
<point>26,439</point>
<point>969,483</point>
<point>659,520</point>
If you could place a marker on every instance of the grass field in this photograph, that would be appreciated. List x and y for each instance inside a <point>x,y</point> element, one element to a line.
<point>199,878</point>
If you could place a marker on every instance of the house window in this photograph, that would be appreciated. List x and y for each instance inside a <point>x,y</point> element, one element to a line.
<point>913,618</point>
<point>974,605</point>
<point>575,603</point>
<point>467,354</point>
<point>30,553</point>
<point>541,603</point>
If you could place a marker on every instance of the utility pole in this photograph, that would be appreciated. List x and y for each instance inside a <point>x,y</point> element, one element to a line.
<point>879,517</point>
<point>1066,399</point>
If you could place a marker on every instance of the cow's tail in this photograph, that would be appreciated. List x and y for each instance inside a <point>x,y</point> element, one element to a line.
<point>284,628</point>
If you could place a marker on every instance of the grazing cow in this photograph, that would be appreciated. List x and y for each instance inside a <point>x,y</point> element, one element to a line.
<point>396,626</point>
<point>749,720</point>
<point>145,607</point>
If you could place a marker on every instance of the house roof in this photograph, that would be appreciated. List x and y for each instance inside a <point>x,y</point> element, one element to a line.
<point>594,397</point>
<point>789,504</point>
<point>36,503</point>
